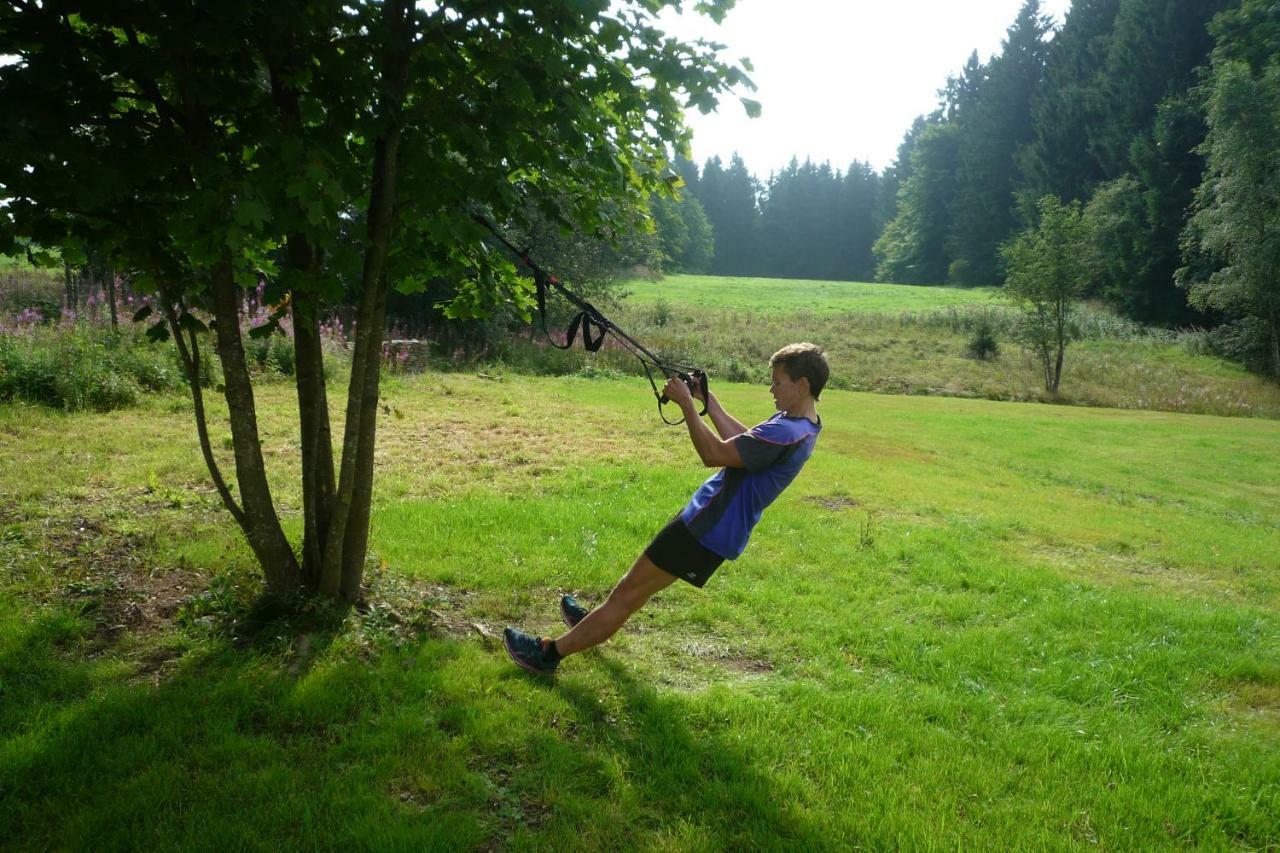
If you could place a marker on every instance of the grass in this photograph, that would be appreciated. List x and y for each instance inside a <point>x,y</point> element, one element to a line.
<point>925,353</point>
<point>968,624</point>
<point>822,297</point>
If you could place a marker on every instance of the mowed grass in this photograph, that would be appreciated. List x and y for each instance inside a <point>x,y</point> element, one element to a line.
<point>773,294</point>
<point>967,625</point>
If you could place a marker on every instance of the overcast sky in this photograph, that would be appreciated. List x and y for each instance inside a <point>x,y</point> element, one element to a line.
<point>840,80</point>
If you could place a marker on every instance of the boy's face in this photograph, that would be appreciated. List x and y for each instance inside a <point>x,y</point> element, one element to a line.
<point>788,393</point>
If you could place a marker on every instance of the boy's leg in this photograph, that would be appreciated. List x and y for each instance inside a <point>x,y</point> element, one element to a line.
<point>627,597</point>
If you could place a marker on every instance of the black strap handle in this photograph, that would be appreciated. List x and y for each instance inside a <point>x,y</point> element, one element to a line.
<point>697,382</point>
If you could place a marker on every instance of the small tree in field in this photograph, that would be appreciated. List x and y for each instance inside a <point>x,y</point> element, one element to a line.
<point>1047,273</point>
<point>336,148</point>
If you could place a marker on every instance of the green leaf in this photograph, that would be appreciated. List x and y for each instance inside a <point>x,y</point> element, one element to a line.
<point>157,333</point>
<point>191,323</point>
<point>265,330</point>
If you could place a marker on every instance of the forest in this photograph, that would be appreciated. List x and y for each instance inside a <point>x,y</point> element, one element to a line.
<point>1156,119</point>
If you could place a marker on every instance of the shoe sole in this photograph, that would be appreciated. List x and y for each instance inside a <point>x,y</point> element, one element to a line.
<point>568,620</point>
<point>506,645</point>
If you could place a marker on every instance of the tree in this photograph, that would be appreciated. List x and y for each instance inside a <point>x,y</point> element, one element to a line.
<point>684,234</point>
<point>336,149</point>
<point>860,222</point>
<point>730,198</point>
<point>994,115</point>
<point>1118,237</point>
<point>1057,160</point>
<point>1236,222</point>
<point>912,249</point>
<point>1047,274</point>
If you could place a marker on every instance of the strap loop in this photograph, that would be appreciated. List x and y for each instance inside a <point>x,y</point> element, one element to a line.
<point>595,327</point>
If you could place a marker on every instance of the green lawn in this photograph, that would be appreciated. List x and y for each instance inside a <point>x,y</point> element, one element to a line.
<point>773,294</point>
<point>968,624</point>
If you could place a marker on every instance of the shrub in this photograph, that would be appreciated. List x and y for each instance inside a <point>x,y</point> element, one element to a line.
<point>982,343</point>
<point>83,367</point>
<point>662,313</point>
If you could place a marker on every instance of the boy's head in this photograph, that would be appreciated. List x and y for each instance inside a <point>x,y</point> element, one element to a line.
<point>803,361</point>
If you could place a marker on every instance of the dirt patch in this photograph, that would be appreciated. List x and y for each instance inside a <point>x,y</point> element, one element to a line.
<point>107,574</point>
<point>834,503</point>
<point>746,665</point>
<point>509,809</point>
<point>725,656</point>
<point>1258,703</point>
<point>157,664</point>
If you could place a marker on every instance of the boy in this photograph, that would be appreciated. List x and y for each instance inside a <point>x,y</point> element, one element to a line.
<point>755,466</point>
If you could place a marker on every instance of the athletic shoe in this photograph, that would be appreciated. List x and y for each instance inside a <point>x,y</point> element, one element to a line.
<point>571,611</point>
<point>527,651</point>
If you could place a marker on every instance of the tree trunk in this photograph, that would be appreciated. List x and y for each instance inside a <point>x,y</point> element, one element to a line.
<point>262,527</point>
<point>318,484</point>
<point>317,443</point>
<point>111,297</point>
<point>1061,329</point>
<point>343,564</point>
<point>190,358</point>
<point>71,290</point>
<point>361,420</point>
<point>1275,344</point>
<point>357,536</point>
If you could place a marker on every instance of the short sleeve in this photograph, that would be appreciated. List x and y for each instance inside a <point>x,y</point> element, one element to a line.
<point>764,444</point>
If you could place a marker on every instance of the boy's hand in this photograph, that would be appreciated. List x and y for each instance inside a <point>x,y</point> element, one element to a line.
<point>678,392</point>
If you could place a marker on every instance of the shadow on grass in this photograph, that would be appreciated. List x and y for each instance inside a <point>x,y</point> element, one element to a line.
<point>689,778</point>
<point>246,747</point>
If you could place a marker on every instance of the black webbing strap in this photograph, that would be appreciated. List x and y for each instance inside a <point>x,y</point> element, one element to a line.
<point>595,327</point>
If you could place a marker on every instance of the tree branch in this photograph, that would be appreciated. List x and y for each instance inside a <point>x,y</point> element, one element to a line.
<point>191,361</point>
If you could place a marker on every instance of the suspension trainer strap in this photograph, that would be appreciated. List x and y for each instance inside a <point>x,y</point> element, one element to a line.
<point>595,327</point>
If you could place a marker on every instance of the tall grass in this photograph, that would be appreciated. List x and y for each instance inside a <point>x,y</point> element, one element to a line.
<point>73,358</point>
<point>1114,364</point>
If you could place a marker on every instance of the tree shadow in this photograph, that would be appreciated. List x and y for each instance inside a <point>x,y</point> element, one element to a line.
<point>247,745</point>
<point>692,778</point>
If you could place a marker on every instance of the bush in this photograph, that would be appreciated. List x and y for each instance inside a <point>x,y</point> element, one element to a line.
<point>982,343</point>
<point>661,313</point>
<point>83,367</point>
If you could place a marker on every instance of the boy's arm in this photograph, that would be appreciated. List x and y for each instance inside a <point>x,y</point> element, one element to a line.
<point>713,452</point>
<point>726,424</point>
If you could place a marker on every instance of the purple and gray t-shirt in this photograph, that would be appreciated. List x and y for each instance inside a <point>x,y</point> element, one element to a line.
<point>722,512</point>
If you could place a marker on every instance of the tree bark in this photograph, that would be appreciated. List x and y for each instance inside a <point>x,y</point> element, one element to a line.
<point>357,537</point>
<point>361,420</point>
<point>191,361</point>
<point>343,562</point>
<point>111,298</point>
<point>71,291</point>
<point>1275,345</point>
<point>318,483</point>
<point>262,527</point>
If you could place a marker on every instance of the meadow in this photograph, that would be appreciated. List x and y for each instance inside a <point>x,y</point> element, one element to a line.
<point>777,294</point>
<point>903,339</point>
<point>969,624</point>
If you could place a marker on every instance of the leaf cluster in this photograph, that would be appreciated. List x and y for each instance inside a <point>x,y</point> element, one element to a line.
<point>173,135</point>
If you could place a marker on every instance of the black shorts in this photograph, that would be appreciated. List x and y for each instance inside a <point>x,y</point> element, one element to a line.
<point>676,552</point>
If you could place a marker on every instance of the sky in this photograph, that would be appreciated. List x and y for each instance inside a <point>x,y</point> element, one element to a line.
<point>840,80</point>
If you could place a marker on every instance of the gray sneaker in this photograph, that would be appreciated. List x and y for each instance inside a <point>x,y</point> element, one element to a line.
<point>571,611</point>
